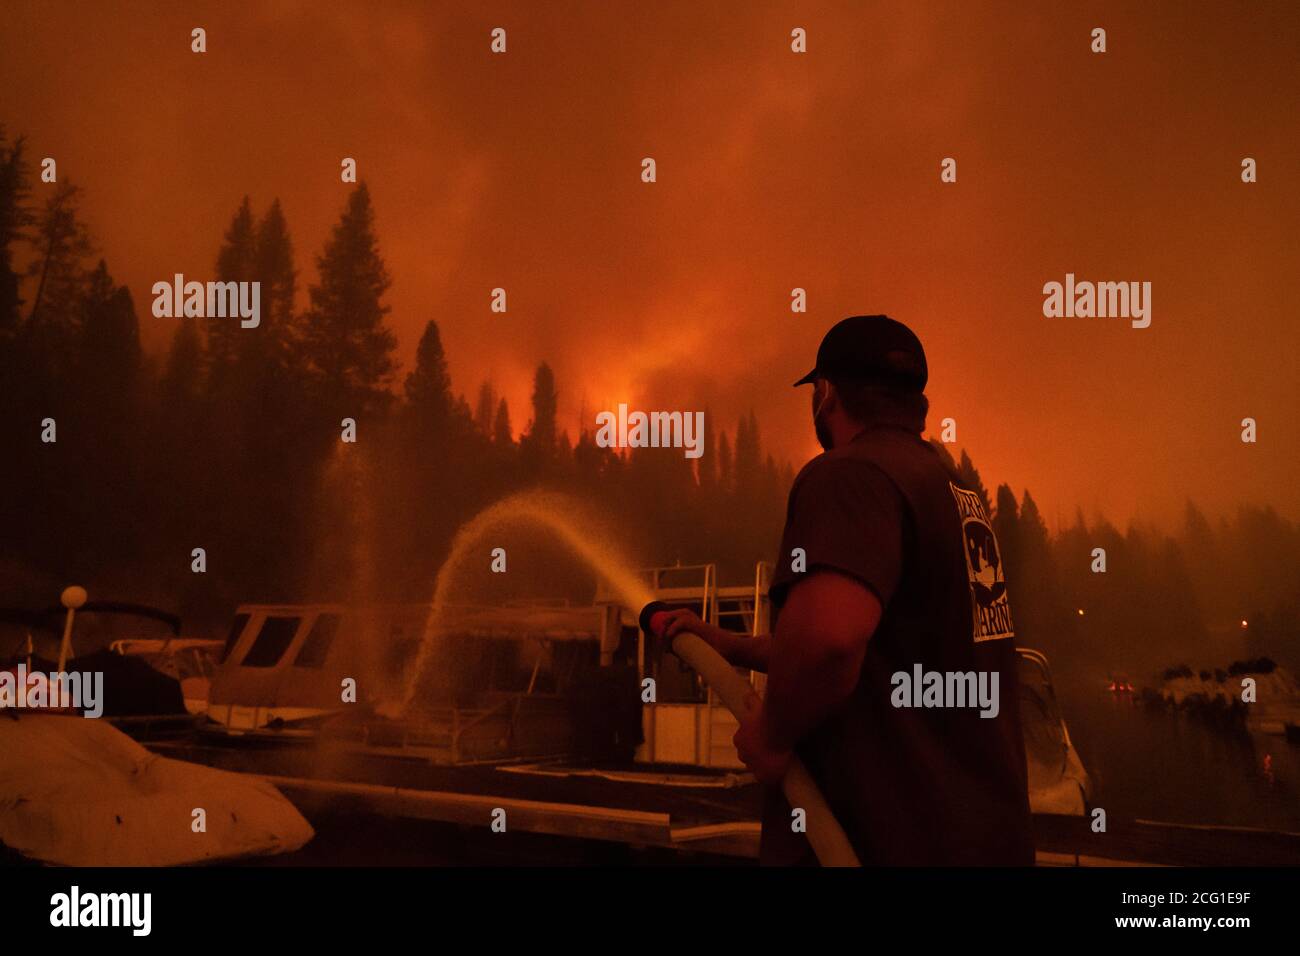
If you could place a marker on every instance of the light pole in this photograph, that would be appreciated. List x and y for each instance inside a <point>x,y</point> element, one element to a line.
<point>72,598</point>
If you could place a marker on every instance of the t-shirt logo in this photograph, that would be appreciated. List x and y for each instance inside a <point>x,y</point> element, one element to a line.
<point>988,585</point>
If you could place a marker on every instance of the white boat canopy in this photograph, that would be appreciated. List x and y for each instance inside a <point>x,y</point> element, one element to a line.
<point>79,792</point>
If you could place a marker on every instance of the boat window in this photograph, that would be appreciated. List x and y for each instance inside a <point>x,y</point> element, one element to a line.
<point>273,640</point>
<point>316,648</point>
<point>236,628</point>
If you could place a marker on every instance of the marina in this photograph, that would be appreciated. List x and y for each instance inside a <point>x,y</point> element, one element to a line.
<point>527,721</point>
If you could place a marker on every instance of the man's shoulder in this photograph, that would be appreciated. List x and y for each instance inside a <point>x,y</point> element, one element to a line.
<point>832,466</point>
<point>874,454</point>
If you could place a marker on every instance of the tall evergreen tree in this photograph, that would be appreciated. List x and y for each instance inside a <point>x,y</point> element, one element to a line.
<point>103,389</point>
<point>274,269</point>
<point>14,219</point>
<point>970,480</point>
<point>945,456</point>
<point>182,377</point>
<point>726,481</point>
<point>706,467</point>
<point>1203,550</point>
<point>255,407</point>
<point>109,354</point>
<point>1006,526</point>
<point>62,244</point>
<point>502,435</point>
<point>748,463</point>
<point>428,386</point>
<point>21,406</point>
<point>541,434</point>
<point>346,344</point>
<point>1039,607</point>
<point>236,262</point>
<point>486,408</point>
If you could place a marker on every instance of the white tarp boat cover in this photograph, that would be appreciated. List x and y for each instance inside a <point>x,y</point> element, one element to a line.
<point>80,792</point>
<point>1058,782</point>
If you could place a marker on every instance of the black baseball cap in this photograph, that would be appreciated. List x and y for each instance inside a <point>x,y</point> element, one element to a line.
<point>871,348</point>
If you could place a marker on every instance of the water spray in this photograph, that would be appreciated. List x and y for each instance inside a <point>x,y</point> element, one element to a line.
<point>824,832</point>
<point>561,516</point>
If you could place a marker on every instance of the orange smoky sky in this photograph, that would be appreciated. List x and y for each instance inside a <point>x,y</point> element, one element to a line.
<point>775,170</point>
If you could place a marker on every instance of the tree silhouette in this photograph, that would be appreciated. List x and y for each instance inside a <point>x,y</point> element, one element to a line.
<point>108,352</point>
<point>62,245</point>
<point>485,408</point>
<point>181,384</point>
<point>540,434</point>
<point>969,478</point>
<point>502,436</point>
<point>428,386</point>
<point>236,262</point>
<point>726,480</point>
<point>14,219</point>
<point>238,422</point>
<point>346,345</point>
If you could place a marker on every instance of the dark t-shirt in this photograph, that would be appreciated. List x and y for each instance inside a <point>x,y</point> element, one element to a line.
<point>917,785</point>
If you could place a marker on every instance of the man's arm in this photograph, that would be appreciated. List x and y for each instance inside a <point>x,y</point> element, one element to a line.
<point>814,663</point>
<point>740,651</point>
<point>737,649</point>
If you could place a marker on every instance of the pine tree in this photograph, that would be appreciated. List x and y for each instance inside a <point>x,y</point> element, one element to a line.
<point>485,409</point>
<point>945,456</point>
<point>1006,528</point>
<point>103,391</point>
<point>1037,608</point>
<point>428,386</point>
<point>502,436</point>
<point>182,378</point>
<point>236,262</point>
<point>346,345</point>
<point>1204,552</point>
<point>726,482</point>
<point>255,409</point>
<point>62,245</point>
<point>184,452</point>
<point>1033,530</point>
<point>273,268</point>
<point>748,463</point>
<point>970,480</point>
<point>108,350</point>
<point>14,220</point>
<point>540,436</point>
<point>706,467</point>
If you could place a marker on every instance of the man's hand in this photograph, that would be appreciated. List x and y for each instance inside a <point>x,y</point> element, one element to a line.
<point>684,619</point>
<point>738,650</point>
<point>768,765</point>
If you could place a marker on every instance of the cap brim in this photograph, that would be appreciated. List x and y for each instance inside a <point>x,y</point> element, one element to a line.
<point>810,377</point>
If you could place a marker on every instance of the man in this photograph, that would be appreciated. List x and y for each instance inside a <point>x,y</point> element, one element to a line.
<point>889,576</point>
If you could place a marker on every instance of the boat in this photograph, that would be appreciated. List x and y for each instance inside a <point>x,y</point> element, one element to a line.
<point>76,790</point>
<point>538,708</point>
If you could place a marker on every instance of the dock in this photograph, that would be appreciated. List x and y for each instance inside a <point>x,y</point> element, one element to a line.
<point>688,812</point>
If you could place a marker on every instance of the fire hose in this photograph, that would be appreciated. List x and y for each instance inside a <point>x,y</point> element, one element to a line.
<point>823,830</point>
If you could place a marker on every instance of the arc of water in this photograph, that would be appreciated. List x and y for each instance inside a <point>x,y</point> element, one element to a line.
<point>554,512</point>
